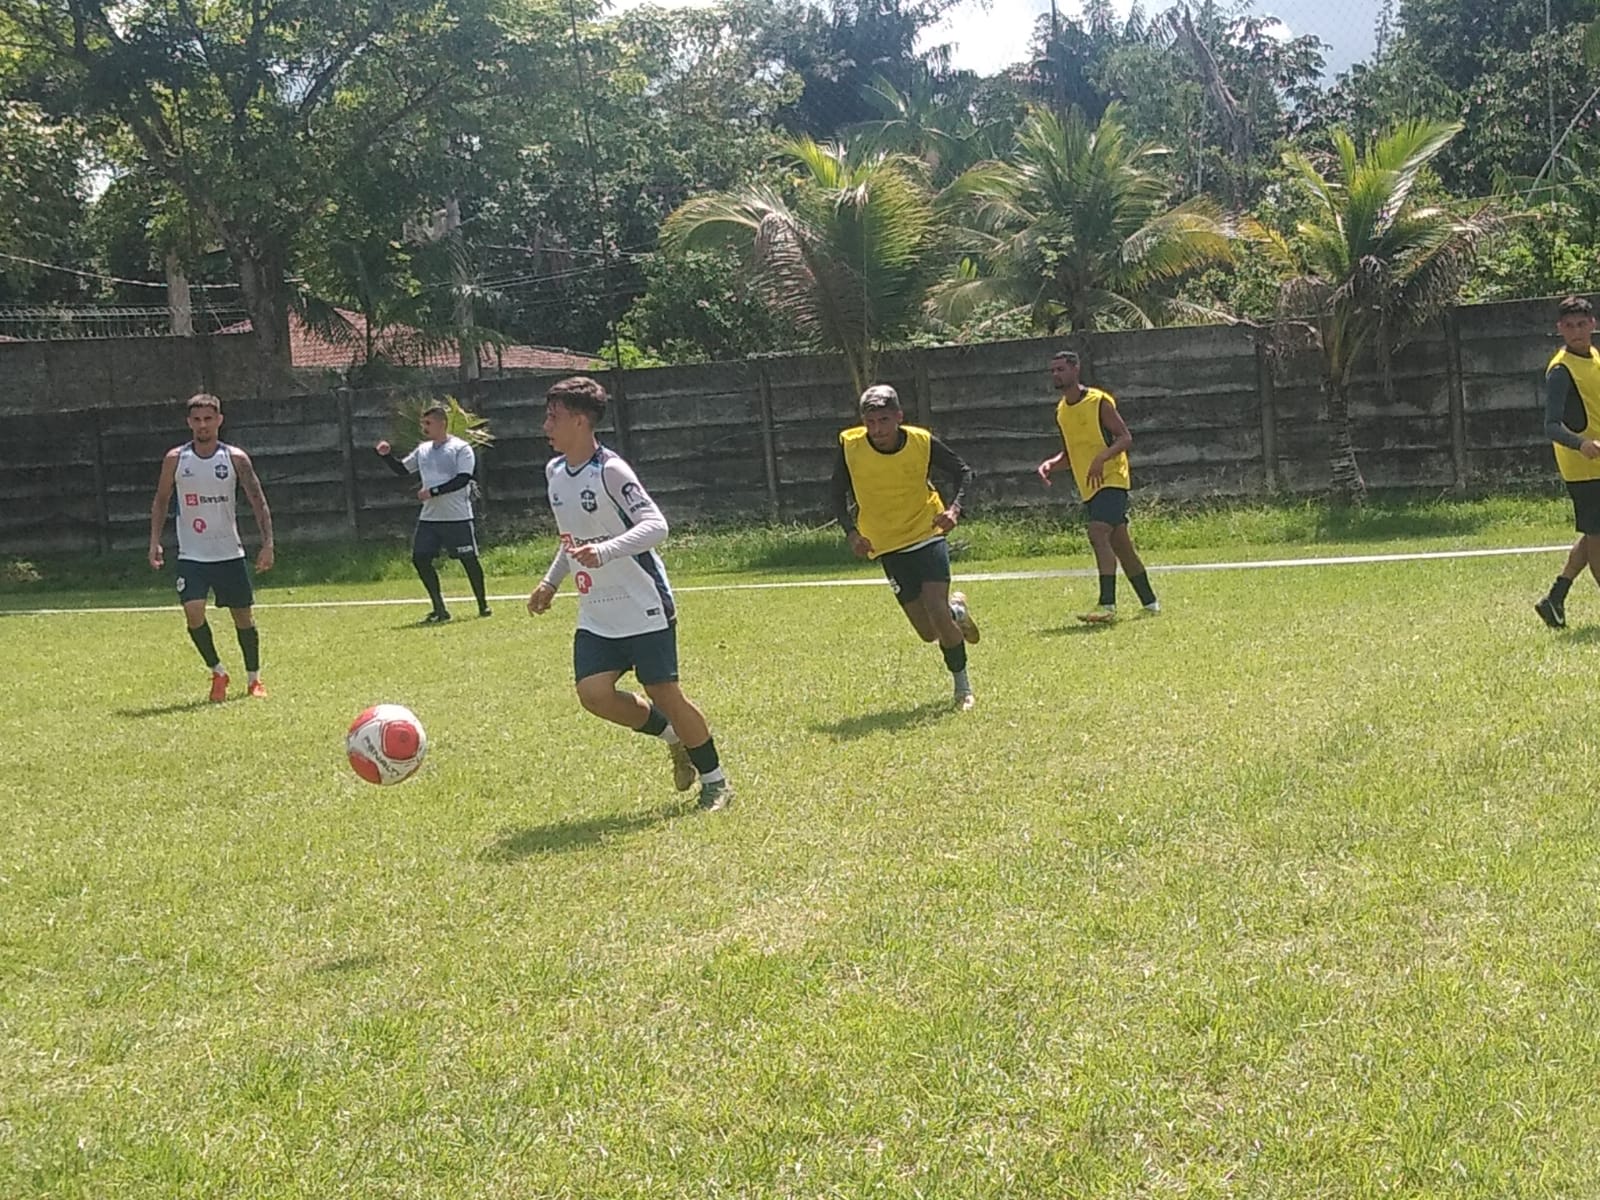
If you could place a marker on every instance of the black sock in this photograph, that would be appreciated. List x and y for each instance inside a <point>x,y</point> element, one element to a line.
<point>1108,589</point>
<point>955,657</point>
<point>1141,584</point>
<point>430,580</point>
<point>1560,588</point>
<point>250,643</point>
<point>704,756</point>
<point>654,723</point>
<point>474,570</point>
<point>200,635</point>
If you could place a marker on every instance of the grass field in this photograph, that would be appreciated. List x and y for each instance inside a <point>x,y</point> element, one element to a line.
<point>1290,892</point>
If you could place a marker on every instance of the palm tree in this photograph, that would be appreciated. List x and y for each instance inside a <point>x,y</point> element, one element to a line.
<point>1373,265</point>
<point>841,253</point>
<point>1076,228</point>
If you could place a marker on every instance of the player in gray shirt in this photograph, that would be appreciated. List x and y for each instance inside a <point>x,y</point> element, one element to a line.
<point>446,465</point>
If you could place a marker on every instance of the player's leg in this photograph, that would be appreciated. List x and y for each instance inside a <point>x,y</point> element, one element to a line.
<point>1552,609</point>
<point>695,751</point>
<point>1105,565</point>
<point>466,551</point>
<point>1133,567</point>
<point>237,595</point>
<point>947,630</point>
<point>194,584</point>
<point>425,547</point>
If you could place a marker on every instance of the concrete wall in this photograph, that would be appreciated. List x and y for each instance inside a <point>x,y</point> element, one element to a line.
<point>1214,410</point>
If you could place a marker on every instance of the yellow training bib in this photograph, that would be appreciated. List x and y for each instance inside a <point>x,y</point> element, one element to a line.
<point>1084,436</point>
<point>1573,465</point>
<point>895,502</point>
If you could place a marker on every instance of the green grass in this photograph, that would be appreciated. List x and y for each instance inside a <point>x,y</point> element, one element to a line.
<point>1291,892</point>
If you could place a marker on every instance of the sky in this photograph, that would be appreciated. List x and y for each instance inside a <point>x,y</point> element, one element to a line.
<point>987,35</point>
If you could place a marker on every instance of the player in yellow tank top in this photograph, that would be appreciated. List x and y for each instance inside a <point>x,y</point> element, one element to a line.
<point>890,511</point>
<point>1094,444</point>
<point>1572,419</point>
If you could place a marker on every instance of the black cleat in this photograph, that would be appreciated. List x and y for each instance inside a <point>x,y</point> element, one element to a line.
<point>486,611</point>
<point>435,618</point>
<point>1552,612</point>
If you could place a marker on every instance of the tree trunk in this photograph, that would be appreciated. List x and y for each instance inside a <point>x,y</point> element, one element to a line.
<point>180,309</point>
<point>1348,484</point>
<point>262,271</point>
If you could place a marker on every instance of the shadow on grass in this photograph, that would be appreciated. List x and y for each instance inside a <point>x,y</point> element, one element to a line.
<point>164,710</point>
<point>891,720</point>
<point>1081,629</point>
<point>1583,635</point>
<point>516,844</point>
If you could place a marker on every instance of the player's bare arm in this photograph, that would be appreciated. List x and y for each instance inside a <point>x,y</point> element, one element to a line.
<point>251,484</point>
<point>158,507</point>
<point>1051,464</point>
<point>539,600</point>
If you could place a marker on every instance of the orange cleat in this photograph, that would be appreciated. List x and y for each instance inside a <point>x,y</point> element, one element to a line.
<point>257,689</point>
<point>219,686</point>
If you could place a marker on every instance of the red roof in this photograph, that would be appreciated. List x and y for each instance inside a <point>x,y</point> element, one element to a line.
<point>405,346</point>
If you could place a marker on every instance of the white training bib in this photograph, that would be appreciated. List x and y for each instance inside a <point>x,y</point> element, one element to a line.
<point>204,491</point>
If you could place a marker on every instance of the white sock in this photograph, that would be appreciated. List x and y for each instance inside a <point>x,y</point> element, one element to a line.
<point>714,777</point>
<point>669,735</point>
<point>219,669</point>
<point>254,677</point>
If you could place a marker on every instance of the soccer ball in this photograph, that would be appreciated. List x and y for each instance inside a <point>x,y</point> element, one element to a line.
<point>386,744</point>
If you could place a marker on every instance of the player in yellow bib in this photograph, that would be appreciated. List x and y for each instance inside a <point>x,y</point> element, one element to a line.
<point>1094,443</point>
<point>890,511</point>
<point>1572,421</point>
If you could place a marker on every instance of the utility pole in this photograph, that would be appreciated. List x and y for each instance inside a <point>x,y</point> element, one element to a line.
<point>467,372</point>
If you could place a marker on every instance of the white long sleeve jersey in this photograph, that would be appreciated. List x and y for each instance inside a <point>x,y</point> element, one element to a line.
<point>602,503</point>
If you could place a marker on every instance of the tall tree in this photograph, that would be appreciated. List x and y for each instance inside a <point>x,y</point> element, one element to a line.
<point>250,109</point>
<point>1077,229</point>
<point>843,256</point>
<point>1373,265</point>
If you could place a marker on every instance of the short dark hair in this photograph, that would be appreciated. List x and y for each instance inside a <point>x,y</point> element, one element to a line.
<point>880,395</point>
<point>1070,356</point>
<point>579,393</point>
<point>437,410</point>
<point>204,400</point>
<point>1574,306</point>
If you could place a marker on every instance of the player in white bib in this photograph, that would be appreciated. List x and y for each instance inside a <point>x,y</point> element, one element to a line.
<point>446,465</point>
<point>204,475</point>
<point>627,620</point>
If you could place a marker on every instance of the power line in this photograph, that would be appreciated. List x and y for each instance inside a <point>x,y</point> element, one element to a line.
<point>34,262</point>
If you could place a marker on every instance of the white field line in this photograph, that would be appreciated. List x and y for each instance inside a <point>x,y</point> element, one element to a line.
<point>1347,560</point>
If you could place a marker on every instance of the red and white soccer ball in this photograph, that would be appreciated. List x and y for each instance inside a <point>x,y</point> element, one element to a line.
<point>386,744</point>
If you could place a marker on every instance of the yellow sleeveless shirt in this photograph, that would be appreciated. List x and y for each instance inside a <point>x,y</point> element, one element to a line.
<point>1573,465</point>
<point>896,504</point>
<point>1084,437</point>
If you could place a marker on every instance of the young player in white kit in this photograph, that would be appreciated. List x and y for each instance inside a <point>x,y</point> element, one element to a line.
<point>446,465</point>
<point>627,620</point>
<point>206,474</point>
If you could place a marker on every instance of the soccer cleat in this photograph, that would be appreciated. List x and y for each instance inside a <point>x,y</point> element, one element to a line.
<point>963,616</point>
<point>1552,612</point>
<point>1103,615</point>
<point>219,686</point>
<point>1153,609</point>
<point>966,701</point>
<point>683,772</point>
<point>486,611</point>
<point>257,689</point>
<point>714,797</point>
<point>435,618</point>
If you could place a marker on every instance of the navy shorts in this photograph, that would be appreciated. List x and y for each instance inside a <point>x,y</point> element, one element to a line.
<point>433,538</point>
<point>1109,505</point>
<point>1585,495</point>
<point>230,581</point>
<point>908,570</point>
<point>652,657</point>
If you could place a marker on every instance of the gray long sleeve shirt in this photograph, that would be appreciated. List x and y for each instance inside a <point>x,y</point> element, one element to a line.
<point>1565,418</point>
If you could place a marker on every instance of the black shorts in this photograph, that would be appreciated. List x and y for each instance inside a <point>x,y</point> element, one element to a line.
<point>908,570</point>
<point>230,580</point>
<point>433,538</point>
<point>1585,495</point>
<point>652,657</point>
<point>1109,505</point>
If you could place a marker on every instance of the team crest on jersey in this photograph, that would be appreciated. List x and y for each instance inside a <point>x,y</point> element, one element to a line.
<point>222,470</point>
<point>633,496</point>
<point>587,499</point>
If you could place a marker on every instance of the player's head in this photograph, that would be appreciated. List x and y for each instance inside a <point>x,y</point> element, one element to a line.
<point>436,422</point>
<point>881,414</point>
<point>1064,368</point>
<point>205,417</point>
<point>1575,323</point>
<point>572,409</point>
